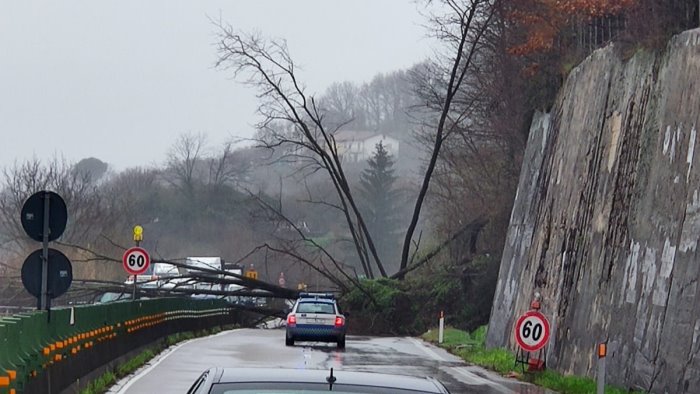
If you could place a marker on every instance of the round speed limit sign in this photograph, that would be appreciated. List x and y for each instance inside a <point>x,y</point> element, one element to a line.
<point>532,331</point>
<point>136,261</point>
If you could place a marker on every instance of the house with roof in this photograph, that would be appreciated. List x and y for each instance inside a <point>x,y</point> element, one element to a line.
<point>358,146</point>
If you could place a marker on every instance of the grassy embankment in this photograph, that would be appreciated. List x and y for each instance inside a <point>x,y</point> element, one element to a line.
<point>471,348</point>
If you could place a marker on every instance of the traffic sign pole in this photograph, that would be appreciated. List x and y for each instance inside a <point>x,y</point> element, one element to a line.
<point>43,300</point>
<point>138,236</point>
<point>133,297</point>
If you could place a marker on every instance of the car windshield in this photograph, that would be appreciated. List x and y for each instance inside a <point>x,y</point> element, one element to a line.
<point>109,297</point>
<point>316,307</point>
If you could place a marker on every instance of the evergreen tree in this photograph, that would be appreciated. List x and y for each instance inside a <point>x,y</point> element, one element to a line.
<point>379,205</point>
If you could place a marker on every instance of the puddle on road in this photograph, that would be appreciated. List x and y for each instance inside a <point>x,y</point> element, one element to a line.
<point>400,357</point>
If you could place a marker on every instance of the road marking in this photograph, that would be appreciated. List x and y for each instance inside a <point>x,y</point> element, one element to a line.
<point>430,352</point>
<point>160,359</point>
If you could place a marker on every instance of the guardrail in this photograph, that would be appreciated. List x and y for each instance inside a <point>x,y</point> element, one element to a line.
<point>6,310</point>
<point>38,355</point>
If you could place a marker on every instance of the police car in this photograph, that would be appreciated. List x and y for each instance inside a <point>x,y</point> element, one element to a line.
<point>316,317</point>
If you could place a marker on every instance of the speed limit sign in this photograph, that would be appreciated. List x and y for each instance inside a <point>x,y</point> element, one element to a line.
<point>136,261</point>
<point>532,331</point>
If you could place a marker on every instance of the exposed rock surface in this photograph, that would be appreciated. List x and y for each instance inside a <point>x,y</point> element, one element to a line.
<point>606,221</point>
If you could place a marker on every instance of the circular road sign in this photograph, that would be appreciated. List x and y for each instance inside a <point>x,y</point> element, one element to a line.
<point>136,261</point>
<point>532,331</point>
<point>32,215</point>
<point>60,273</point>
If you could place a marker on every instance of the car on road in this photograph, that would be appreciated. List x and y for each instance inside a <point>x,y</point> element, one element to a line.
<point>308,381</point>
<point>161,276</point>
<point>316,317</point>
<point>111,297</point>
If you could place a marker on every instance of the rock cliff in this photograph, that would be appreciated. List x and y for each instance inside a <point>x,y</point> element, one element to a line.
<point>606,221</point>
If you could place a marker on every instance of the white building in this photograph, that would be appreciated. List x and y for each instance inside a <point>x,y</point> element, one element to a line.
<point>358,146</point>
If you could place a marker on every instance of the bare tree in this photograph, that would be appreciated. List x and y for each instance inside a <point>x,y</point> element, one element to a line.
<point>183,158</point>
<point>462,29</point>
<point>128,194</point>
<point>87,206</point>
<point>227,168</point>
<point>268,66</point>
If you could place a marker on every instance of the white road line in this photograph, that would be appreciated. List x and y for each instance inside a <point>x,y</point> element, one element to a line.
<point>430,352</point>
<point>171,350</point>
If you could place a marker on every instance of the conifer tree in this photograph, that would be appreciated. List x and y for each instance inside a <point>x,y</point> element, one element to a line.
<point>379,203</point>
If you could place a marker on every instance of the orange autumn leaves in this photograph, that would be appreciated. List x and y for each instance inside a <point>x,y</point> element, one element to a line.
<point>541,21</point>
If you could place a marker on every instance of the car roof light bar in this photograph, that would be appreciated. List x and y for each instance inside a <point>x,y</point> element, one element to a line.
<point>328,296</point>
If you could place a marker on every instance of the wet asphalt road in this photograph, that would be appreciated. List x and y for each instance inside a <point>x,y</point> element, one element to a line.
<point>174,371</point>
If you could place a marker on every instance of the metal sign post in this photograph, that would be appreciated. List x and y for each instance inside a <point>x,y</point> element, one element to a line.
<point>138,237</point>
<point>43,300</point>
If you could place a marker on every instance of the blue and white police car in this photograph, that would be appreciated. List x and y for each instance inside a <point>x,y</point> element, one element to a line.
<point>316,317</point>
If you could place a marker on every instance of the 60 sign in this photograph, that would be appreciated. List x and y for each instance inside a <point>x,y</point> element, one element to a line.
<point>532,331</point>
<point>136,261</point>
<point>536,332</point>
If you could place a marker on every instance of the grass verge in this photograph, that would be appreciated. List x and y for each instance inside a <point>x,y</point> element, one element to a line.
<point>109,378</point>
<point>470,347</point>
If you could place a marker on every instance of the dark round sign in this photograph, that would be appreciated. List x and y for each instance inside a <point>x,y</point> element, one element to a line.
<point>33,215</point>
<point>60,273</point>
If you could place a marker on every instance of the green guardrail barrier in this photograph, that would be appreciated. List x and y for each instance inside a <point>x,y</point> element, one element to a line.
<point>33,343</point>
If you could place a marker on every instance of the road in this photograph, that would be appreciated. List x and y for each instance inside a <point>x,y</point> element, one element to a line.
<point>175,370</point>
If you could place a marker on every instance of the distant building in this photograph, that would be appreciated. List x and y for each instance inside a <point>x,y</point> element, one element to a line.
<point>358,146</point>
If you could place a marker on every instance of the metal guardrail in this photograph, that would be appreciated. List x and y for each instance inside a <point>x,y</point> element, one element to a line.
<point>42,353</point>
<point>7,310</point>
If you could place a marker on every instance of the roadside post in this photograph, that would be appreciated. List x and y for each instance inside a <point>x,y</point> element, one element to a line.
<point>138,237</point>
<point>600,378</point>
<point>441,330</point>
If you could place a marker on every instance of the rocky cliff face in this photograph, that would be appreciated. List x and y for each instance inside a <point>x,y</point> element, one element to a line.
<point>606,221</point>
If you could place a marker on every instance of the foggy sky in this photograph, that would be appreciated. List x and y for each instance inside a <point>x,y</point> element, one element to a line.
<point>119,80</point>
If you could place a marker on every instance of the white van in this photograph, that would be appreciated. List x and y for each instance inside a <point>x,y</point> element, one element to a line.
<point>200,266</point>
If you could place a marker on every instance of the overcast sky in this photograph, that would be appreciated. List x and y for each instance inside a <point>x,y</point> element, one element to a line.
<point>120,80</point>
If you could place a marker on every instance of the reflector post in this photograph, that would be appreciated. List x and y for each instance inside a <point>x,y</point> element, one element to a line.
<point>602,350</point>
